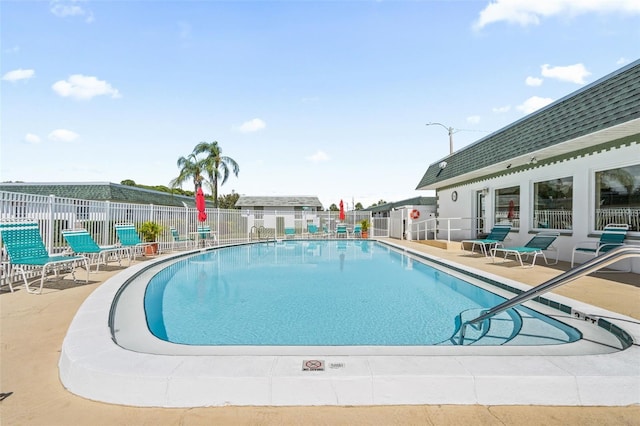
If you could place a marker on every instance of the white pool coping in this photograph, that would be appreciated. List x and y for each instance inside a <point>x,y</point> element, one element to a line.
<point>93,366</point>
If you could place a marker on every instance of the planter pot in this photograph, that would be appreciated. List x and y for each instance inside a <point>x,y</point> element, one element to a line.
<point>151,249</point>
<point>365,234</point>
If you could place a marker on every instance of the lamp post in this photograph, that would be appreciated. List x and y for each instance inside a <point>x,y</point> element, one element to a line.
<point>451,132</point>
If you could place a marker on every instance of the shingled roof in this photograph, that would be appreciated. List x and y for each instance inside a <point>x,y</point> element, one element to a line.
<point>278,201</point>
<point>415,201</point>
<point>605,110</point>
<point>101,191</point>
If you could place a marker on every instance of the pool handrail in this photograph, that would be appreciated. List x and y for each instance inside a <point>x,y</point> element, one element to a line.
<point>564,278</point>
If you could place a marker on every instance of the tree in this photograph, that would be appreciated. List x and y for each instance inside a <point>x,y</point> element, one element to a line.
<point>359,206</point>
<point>333,208</point>
<point>379,203</point>
<point>216,166</point>
<point>190,168</point>
<point>228,201</point>
<point>128,182</point>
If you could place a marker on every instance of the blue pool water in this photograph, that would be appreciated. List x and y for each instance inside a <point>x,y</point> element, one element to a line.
<point>326,293</point>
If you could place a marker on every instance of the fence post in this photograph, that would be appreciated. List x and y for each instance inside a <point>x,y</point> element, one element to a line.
<point>106,238</point>
<point>51,224</point>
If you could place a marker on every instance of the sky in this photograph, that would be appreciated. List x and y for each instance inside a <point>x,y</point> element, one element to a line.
<point>321,98</point>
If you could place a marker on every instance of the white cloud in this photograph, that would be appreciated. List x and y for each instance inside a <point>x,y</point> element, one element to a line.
<point>252,126</point>
<point>80,86</point>
<point>528,12</point>
<point>14,49</point>
<point>534,103</point>
<point>18,74</point>
<point>622,61</point>
<point>533,81</point>
<point>31,138</point>
<point>64,8</point>
<point>63,135</point>
<point>502,109</point>
<point>473,119</point>
<point>572,73</point>
<point>318,157</point>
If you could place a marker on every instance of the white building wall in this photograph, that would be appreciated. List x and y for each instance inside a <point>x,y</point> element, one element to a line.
<point>582,170</point>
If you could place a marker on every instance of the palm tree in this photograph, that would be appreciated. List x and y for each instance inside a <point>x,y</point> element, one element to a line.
<point>216,165</point>
<point>190,168</point>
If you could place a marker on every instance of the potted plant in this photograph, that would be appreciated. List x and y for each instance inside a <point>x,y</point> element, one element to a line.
<point>150,231</point>
<point>364,226</point>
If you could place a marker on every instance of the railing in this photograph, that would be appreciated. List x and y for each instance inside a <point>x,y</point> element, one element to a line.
<point>630,216</point>
<point>436,228</point>
<point>586,268</point>
<point>55,214</point>
<point>553,219</point>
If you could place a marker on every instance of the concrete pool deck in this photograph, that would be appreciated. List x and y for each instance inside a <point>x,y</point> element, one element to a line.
<point>33,328</point>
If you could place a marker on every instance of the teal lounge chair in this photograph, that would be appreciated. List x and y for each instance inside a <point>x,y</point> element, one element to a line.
<point>206,236</point>
<point>613,236</point>
<point>129,238</point>
<point>82,243</point>
<point>313,230</point>
<point>357,231</point>
<point>26,250</point>
<point>493,240</point>
<point>177,239</point>
<point>535,247</point>
<point>341,231</point>
<point>289,233</point>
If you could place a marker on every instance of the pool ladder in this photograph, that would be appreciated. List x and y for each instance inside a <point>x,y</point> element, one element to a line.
<point>592,265</point>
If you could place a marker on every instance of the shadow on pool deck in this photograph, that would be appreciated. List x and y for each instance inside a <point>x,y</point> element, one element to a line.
<point>33,328</point>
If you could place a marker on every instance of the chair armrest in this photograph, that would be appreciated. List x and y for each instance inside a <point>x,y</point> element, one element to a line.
<point>586,244</point>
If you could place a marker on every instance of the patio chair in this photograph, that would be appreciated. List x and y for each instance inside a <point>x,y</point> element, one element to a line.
<point>493,240</point>
<point>357,231</point>
<point>289,233</point>
<point>129,238</point>
<point>341,231</point>
<point>25,249</point>
<point>206,236</point>
<point>613,236</point>
<point>312,230</point>
<point>178,239</point>
<point>535,247</point>
<point>82,243</point>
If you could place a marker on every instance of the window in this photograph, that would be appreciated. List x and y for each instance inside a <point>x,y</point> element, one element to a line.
<point>553,204</point>
<point>258,211</point>
<point>618,197</point>
<point>507,206</point>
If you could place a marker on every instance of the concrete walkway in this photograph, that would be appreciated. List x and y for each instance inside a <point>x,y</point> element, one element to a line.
<point>33,328</point>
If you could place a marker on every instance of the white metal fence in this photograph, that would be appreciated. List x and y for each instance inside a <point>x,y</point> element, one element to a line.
<point>55,214</point>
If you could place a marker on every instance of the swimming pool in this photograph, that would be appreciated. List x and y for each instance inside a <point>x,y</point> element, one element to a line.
<point>325,293</point>
<point>97,363</point>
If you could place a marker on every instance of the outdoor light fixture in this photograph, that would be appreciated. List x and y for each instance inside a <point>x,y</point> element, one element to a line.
<point>450,130</point>
<point>442,165</point>
<point>509,166</point>
<point>533,160</point>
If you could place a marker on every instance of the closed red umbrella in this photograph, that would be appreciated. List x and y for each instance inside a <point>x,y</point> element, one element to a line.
<point>342,215</point>
<point>201,205</point>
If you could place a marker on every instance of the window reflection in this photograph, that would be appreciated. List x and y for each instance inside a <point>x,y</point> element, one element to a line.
<point>507,206</point>
<point>618,197</point>
<point>553,204</point>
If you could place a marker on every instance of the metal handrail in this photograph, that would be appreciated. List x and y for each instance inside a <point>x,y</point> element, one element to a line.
<point>592,265</point>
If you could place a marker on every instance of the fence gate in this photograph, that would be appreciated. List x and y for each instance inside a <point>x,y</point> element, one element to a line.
<point>396,226</point>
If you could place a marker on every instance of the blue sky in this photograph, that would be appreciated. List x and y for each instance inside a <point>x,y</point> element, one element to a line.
<point>325,98</point>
